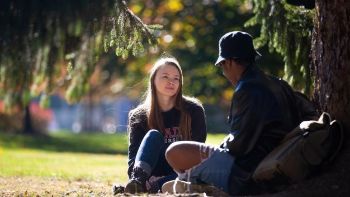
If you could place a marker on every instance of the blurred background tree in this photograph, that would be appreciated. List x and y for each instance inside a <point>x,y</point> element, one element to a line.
<point>191,31</point>
<point>48,46</point>
<point>62,45</point>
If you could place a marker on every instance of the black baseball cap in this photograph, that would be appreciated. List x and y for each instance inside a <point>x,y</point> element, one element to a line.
<point>236,44</point>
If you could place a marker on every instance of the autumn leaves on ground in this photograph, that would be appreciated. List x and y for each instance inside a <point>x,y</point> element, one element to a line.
<point>64,164</point>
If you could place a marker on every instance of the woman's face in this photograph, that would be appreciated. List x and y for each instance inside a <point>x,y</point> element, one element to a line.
<point>167,80</point>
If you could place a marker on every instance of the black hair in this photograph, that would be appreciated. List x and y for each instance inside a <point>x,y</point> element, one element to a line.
<point>245,61</point>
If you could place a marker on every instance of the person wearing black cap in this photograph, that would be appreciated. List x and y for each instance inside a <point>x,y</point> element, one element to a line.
<point>263,110</point>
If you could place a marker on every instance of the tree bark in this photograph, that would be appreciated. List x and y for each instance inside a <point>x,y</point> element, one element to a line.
<point>27,121</point>
<point>331,62</point>
<point>331,58</point>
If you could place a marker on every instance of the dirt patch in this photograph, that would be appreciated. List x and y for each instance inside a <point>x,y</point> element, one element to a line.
<point>35,186</point>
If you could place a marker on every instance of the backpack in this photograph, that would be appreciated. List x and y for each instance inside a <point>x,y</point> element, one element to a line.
<point>308,148</point>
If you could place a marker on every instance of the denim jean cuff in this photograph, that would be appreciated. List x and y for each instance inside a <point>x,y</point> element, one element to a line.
<point>145,166</point>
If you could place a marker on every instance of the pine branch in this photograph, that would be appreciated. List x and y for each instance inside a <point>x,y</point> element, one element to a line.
<point>287,30</point>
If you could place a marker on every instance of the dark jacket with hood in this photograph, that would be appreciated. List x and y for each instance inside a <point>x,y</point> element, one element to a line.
<point>263,110</point>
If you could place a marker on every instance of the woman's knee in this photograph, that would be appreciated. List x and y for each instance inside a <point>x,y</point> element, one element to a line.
<point>154,135</point>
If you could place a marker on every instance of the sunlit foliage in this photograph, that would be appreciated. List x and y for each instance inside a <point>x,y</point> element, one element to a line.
<point>191,30</point>
<point>287,30</point>
<point>50,44</point>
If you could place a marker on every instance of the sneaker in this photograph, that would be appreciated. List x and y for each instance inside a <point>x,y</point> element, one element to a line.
<point>152,187</point>
<point>178,187</point>
<point>134,187</point>
<point>137,183</point>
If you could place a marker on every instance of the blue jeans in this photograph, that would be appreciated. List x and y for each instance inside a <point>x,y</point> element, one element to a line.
<point>151,157</point>
<point>214,170</point>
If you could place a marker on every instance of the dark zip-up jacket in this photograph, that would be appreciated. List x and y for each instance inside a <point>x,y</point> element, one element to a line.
<point>263,110</point>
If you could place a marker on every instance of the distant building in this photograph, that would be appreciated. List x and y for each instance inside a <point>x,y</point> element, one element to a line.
<point>108,116</point>
<point>111,115</point>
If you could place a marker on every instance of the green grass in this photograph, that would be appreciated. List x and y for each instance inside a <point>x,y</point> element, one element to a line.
<point>215,139</point>
<point>66,166</point>
<point>69,156</point>
<point>69,142</point>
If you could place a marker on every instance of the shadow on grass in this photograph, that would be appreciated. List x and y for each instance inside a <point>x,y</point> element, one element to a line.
<point>69,142</point>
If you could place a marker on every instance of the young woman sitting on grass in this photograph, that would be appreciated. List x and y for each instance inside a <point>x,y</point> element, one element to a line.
<point>165,116</point>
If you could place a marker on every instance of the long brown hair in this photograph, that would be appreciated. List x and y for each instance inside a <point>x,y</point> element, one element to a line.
<point>151,104</point>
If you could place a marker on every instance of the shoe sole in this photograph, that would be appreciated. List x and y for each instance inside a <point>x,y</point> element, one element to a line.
<point>178,187</point>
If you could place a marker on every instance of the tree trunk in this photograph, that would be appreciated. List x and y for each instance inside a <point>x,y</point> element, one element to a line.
<point>331,62</point>
<point>331,58</point>
<point>27,121</point>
